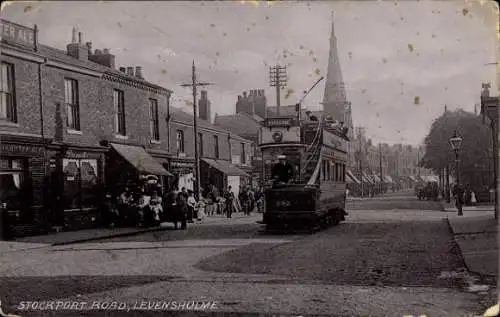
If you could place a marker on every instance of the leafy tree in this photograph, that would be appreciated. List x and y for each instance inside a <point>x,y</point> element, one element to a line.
<point>477,146</point>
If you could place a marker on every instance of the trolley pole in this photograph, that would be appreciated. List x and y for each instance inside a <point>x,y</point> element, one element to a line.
<point>194,83</point>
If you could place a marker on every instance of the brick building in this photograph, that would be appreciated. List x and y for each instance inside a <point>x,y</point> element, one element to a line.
<point>225,158</point>
<point>70,124</point>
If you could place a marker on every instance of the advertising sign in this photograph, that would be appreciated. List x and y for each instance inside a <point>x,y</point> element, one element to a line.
<point>17,34</point>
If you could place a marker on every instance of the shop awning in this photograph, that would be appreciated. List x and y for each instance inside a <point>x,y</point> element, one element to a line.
<point>353,178</point>
<point>225,167</point>
<point>140,159</point>
<point>376,178</point>
<point>388,179</point>
<point>366,179</point>
<point>412,178</point>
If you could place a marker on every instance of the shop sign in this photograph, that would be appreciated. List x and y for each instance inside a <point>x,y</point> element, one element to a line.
<point>20,149</point>
<point>15,33</point>
<point>76,154</point>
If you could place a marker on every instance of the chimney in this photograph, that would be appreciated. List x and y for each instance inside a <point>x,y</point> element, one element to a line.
<point>204,107</point>
<point>123,69</point>
<point>244,95</point>
<point>89,47</point>
<point>77,49</point>
<point>73,35</point>
<point>138,72</point>
<point>130,71</point>
<point>239,97</point>
<point>103,58</point>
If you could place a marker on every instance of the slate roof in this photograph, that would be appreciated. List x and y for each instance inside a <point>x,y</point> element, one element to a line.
<point>180,115</point>
<point>241,123</point>
<point>59,55</point>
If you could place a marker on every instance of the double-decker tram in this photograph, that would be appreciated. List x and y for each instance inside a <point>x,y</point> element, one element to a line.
<point>304,172</point>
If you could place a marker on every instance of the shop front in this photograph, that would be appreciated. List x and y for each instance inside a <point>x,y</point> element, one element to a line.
<point>22,171</point>
<point>75,182</point>
<point>130,166</point>
<point>182,170</point>
<point>222,174</point>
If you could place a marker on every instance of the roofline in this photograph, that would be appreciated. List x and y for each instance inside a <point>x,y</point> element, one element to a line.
<point>97,71</point>
<point>221,131</point>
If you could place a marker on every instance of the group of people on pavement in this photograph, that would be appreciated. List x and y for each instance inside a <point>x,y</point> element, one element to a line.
<point>463,196</point>
<point>147,206</point>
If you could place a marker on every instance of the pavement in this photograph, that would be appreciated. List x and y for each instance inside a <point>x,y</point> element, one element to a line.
<point>88,235</point>
<point>476,234</point>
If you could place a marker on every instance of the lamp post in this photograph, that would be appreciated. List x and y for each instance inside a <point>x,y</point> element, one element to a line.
<point>456,145</point>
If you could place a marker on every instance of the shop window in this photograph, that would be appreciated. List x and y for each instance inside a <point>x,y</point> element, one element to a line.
<point>72,104</point>
<point>14,187</point>
<point>7,93</point>
<point>80,183</point>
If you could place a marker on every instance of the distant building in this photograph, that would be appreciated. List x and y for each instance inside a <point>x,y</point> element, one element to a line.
<point>254,103</point>
<point>204,107</point>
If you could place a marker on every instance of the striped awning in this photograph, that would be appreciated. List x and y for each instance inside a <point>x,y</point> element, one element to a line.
<point>352,178</point>
<point>388,179</point>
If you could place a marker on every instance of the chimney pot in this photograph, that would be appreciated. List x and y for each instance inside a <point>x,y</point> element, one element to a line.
<point>244,94</point>
<point>123,69</point>
<point>80,36</point>
<point>97,52</point>
<point>130,71</point>
<point>138,72</point>
<point>106,51</point>
<point>239,97</point>
<point>73,35</point>
<point>89,46</point>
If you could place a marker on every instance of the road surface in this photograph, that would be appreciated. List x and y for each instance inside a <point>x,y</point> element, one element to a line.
<point>390,261</point>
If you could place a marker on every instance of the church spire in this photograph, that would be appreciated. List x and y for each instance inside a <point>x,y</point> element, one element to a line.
<point>335,101</point>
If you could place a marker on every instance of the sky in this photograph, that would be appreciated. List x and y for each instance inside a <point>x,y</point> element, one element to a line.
<point>401,61</point>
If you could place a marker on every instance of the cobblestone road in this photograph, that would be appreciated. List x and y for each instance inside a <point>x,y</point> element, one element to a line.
<point>378,263</point>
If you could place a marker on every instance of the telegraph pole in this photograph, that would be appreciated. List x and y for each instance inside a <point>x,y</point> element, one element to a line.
<point>194,83</point>
<point>277,78</point>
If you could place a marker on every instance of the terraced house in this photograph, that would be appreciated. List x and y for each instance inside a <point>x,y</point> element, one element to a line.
<point>71,123</point>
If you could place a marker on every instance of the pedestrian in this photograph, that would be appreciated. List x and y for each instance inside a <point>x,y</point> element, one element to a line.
<point>191,204</point>
<point>473,198</point>
<point>229,196</point>
<point>181,212</point>
<point>156,207</point>
<point>143,208</point>
<point>244,199</point>
<point>458,194</point>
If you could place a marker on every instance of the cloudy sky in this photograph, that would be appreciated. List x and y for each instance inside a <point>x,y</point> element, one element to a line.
<point>401,61</point>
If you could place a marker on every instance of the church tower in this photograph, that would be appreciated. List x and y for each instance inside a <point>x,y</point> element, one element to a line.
<point>335,101</point>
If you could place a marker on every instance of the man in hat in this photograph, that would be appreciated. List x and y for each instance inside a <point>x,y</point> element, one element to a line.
<point>282,171</point>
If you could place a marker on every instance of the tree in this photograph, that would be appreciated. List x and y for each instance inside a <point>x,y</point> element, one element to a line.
<point>477,146</point>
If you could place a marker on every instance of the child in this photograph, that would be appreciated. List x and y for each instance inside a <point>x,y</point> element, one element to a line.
<point>473,198</point>
<point>201,210</point>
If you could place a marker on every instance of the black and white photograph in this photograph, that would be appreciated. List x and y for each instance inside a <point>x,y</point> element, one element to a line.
<point>249,158</point>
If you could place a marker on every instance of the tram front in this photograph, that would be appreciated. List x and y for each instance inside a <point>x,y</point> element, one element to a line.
<point>289,202</point>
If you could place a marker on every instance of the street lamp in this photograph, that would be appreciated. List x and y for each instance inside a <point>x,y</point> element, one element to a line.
<point>456,145</point>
